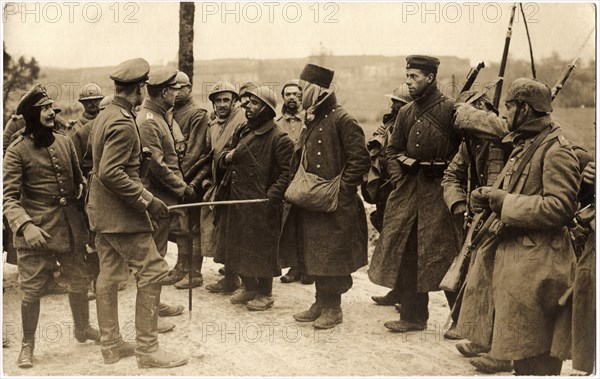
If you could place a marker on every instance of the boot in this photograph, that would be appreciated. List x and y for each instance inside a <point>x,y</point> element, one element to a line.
<point>489,365</point>
<point>81,318</point>
<point>197,281</point>
<point>164,326</point>
<point>113,347</point>
<point>451,333</point>
<point>243,297</point>
<point>391,298</point>
<point>180,269</point>
<point>401,326</point>
<point>307,279</point>
<point>228,284</point>
<point>260,303</point>
<point>30,314</point>
<point>293,275</point>
<point>165,310</point>
<point>311,314</point>
<point>148,353</point>
<point>330,317</point>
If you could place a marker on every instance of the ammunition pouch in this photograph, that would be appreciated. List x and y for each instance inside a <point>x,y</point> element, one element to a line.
<point>412,166</point>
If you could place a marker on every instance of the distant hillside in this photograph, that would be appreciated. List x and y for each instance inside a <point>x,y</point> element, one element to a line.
<point>361,81</point>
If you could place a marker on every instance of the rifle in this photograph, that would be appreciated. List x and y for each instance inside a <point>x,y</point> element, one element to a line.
<point>455,274</point>
<point>498,92</point>
<point>471,76</point>
<point>567,72</point>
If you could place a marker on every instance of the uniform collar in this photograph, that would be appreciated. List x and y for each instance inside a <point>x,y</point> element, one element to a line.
<point>297,116</point>
<point>153,106</point>
<point>123,103</point>
<point>529,129</point>
<point>221,122</point>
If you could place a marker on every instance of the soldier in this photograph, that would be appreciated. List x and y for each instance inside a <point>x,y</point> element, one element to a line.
<point>120,211</point>
<point>196,166</point>
<point>81,139</point>
<point>41,181</point>
<point>245,98</point>
<point>292,121</point>
<point>229,118</point>
<point>477,163</point>
<point>377,187</point>
<point>256,165</point>
<point>533,203</point>
<point>420,237</point>
<point>90,97</point>
<point>164,180</point>
<point>333,244</point>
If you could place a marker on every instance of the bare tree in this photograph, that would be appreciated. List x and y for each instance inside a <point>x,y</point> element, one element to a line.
<point>186,38</point>
<point>18,75</point>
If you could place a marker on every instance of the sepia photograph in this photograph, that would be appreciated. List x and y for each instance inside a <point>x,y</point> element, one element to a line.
<point>299,189</point>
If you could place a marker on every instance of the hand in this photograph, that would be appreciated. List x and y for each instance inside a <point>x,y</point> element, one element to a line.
<point>589,173</point>
<point>479,201</point>
<point>35,236</point>
<point>496,199</point>
<point>189,196</point>
<point>229,157</point>
<point>459,208</point>
<point>157,208</point>
<point>206,184</point>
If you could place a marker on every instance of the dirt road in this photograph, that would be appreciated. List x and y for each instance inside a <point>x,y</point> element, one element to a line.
<point>223,339</point>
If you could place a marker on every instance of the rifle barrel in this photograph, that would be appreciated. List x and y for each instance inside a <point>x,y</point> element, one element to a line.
<point>498,92</point>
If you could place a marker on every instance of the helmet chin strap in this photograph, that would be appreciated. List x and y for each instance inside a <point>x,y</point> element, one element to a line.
<point>517,112</point>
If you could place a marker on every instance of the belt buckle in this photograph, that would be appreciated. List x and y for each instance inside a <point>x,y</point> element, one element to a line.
<point>62,201</point>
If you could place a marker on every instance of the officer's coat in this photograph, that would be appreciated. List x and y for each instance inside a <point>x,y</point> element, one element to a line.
<point>418,198</point>
<point>32,175</point>
<point>117,198</point>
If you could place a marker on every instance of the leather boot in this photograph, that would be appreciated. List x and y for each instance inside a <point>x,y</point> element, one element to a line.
<point>228,284</point>
<point>312,313</point>
<point>113,347</point>
<point>197,280</point>
<point>180,269</point>
<point>30,314</point>
<point>165,310</point>
<point>81,318</point>
<point>330,317</point>
<point>148,353</point>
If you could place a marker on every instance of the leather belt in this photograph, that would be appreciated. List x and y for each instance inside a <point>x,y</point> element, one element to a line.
<point>51,200</point>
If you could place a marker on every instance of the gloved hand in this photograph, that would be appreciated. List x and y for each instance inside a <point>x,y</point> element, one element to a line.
<point>189,196</point>
<point>157,208</point>
<point>496,199</point>
<point>479,201</point>
<point>35,236</point>
<point>589,173</point>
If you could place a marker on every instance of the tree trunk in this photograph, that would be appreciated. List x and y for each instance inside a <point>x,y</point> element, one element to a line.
<point>186,39</point>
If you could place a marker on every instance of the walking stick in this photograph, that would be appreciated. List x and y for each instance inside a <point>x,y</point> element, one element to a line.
<point>206,204</point>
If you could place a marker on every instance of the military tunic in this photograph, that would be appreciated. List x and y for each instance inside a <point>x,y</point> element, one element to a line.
<point>292,124</point>
<point>40,186</point>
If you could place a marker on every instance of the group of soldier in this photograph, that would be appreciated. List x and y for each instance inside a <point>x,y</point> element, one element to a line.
<point>106,185</point>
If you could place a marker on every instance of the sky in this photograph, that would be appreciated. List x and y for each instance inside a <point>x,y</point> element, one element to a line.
<point>92,34</point>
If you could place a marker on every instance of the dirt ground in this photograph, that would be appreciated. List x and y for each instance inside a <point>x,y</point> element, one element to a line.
<point>223,339</point>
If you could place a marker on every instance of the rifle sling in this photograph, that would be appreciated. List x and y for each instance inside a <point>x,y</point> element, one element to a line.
<point>520,168</point>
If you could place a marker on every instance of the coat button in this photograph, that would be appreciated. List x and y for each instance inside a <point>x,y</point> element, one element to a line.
<point>320,129</point>
<point>512,159</point>
<point>318,153</point>
<point>319,141</point>
<point>58,174</point>
<point>62,190</point>
<point>417,145</point>
<point>478,146</point>
<point>418,132</point>
<point>53,158</point>
<point>318,166</point>
<point>419,120</point>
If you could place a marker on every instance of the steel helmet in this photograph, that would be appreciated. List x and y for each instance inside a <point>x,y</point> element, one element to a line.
<point>246,86</point>
<point>532,92</point>
<point>222,87</point>
<point>400,94</point>
<point>182,79</point>
<point>266,94</point>
<point>90,91</point>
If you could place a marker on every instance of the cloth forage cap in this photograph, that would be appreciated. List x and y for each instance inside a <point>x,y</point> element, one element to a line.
<point>293,82</point>
<point>163,77</point>
<point>423,62</point>
<point>318,75</point>
<point>36,97</point>
<point>131,71</point>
